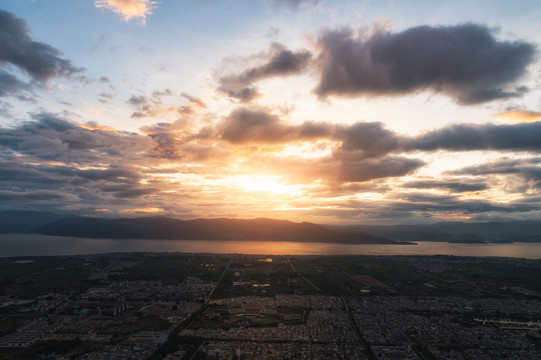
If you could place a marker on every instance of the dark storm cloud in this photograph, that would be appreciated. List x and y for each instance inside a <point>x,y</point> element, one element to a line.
<point>31,180</point>
<point>314,130</point>
<point>258,125</point>
<point>36,182</point>
<point>278,61</point>
<point>112,174</point>
<point>52,138</point>
<point>281,62</point>
<point>136,192</point>
<point>463,137</point>
<point>38,195</point>
<point>504,166</point>
<point>39,157</point>
<point>352,170</point>
<point>374,140</point>
<point>463,185</point>
<point>37,59</point>
<point>95,164</point>
<point>60,163</point>
<point>244,95</point>
<point>5,110</point>
<point>15,173</point>
<point>371,138</point>
<point>127,190</point>
<point>245,125</point>
<point>408,209</point>
<point>465,62</point>
<point>340,168</point>
<point>527,170</point>
<point>435,203</point>
<point>10,85</point>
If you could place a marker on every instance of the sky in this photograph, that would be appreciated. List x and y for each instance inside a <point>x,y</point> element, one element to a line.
<point>335,112</point>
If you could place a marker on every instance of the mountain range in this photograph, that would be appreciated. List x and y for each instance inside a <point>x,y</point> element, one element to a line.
<point>47,223</point>
<point>456,232</point>
<point>169,228</point>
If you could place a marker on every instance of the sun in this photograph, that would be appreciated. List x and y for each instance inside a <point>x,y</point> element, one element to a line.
<point>264,183</point>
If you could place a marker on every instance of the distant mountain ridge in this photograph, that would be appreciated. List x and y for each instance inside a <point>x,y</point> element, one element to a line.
<point>48,223</point>
<point>25,221</point>
<point>459,232</point>
<point>203,229</point>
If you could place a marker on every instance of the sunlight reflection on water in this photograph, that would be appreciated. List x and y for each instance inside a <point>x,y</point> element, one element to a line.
<point>36,245</point>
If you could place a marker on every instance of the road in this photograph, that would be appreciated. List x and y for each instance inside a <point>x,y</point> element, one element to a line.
<point>363,341</point>
<point>305,279</point>
<point>219,281</point>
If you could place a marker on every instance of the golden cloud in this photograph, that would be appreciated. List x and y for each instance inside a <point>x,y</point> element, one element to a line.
<point>143,210</point>
<point>129,8</point>
<point>93,125</point>
<point>519,116</point>
<point>452,217</point>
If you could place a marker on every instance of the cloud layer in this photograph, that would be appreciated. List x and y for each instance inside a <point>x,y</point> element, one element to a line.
<point>55,160</point>
<point>259,134</point>
<point>464,62</point>
<point>278,61</point>
<point>37,59</point>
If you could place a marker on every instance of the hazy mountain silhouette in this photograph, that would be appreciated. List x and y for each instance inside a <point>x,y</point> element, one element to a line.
<point>25,221</point>
<point>203,229</point>
<point>511,231</point>
<point>48,223</point>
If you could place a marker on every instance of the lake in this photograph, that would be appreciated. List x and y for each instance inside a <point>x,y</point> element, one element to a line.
<point>38,245</point>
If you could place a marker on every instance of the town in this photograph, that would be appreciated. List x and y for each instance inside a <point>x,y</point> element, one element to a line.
<point>187,306</point>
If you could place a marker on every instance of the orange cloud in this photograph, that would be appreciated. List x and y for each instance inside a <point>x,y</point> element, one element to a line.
<point>452,217</point>
<point>93,125</point>
<point>519,116</point>
<point>143,210</point>
<point>129,8</point>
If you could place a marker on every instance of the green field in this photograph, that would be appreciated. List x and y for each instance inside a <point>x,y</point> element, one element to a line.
<point>420,275</point>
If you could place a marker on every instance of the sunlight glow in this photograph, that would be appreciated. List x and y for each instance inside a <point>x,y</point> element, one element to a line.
<point>92,125</point>
<point>143,210</point>
<point>453,217</point>
<point>288,109</point>
<point>307,150</point>
<point>264,183</point>
<point>517,117</point>
<point>369,196</point>
<point>290,208</point>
